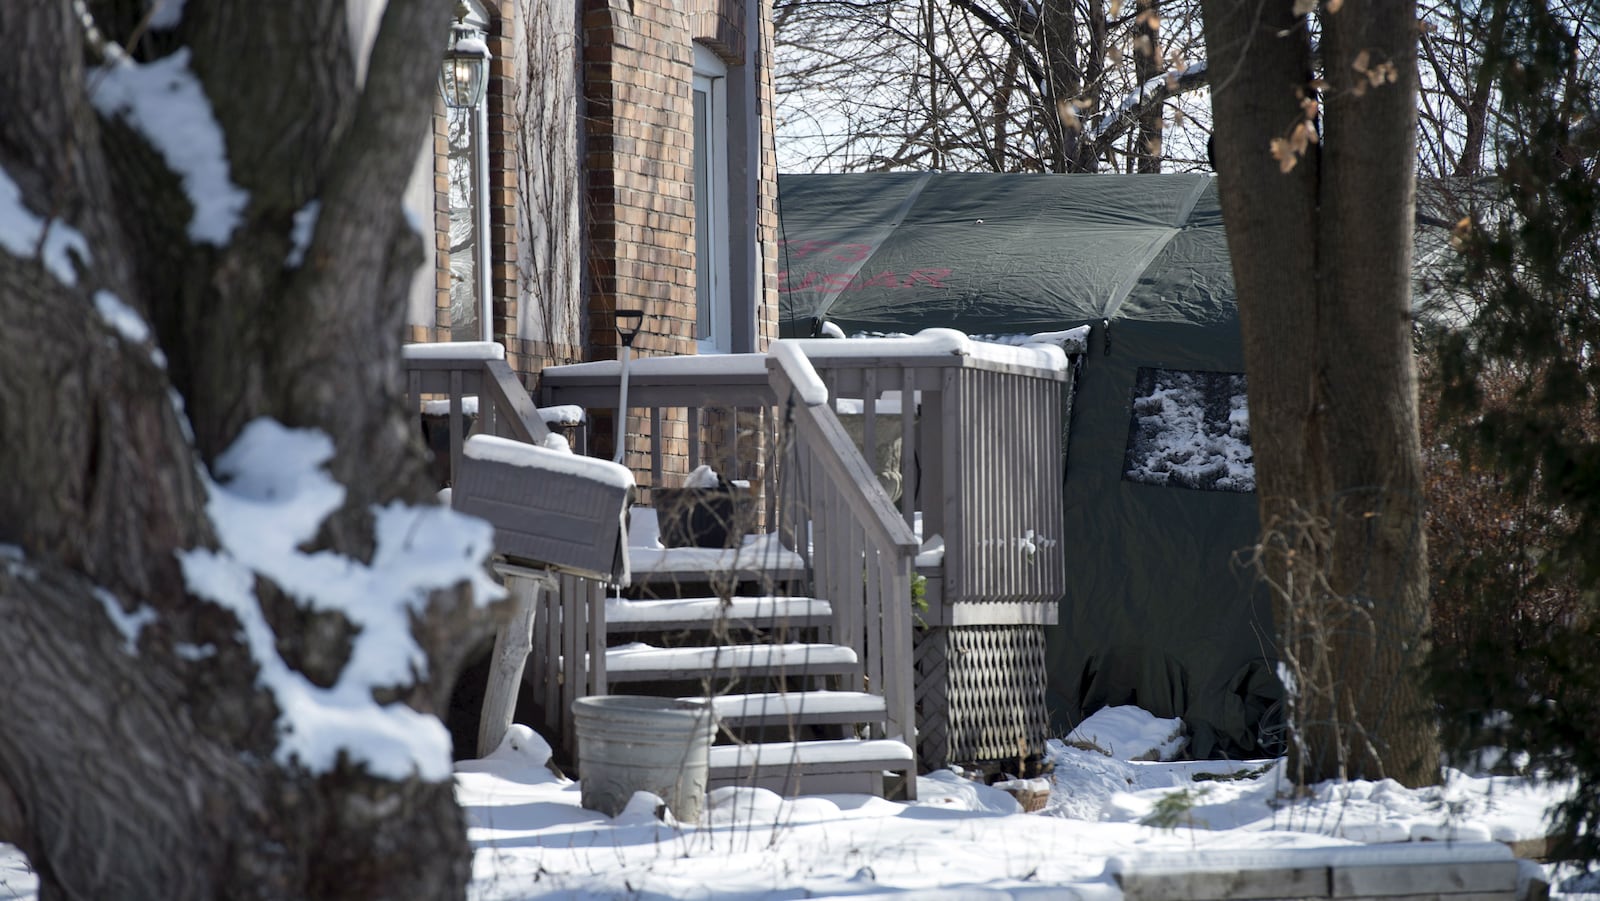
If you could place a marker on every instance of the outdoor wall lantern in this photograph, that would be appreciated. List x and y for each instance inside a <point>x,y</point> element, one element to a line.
<point>628,324</point>
<point>465,69</point>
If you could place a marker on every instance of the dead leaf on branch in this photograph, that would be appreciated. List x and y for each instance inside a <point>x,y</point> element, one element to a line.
<point>1288,151</point>
<point>1375,75</point>
<point>1067,111</point>
<point>1286,158</point>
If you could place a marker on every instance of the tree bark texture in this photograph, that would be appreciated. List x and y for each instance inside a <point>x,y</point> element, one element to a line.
<point>1322,258</point>
<point>135,770</point>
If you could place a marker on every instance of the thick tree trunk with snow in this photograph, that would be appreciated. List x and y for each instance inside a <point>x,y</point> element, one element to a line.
<point>139,760</point>
<point>1322,257</point>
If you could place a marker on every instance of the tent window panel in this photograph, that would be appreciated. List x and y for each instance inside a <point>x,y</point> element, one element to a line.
<point>1190,429</point>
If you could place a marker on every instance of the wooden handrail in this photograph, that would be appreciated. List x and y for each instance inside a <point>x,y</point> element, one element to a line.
<point>819,426</point>
<point>861,550</point>
<point>479,369</point>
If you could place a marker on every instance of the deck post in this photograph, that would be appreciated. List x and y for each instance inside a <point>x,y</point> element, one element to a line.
<point>512,643</point>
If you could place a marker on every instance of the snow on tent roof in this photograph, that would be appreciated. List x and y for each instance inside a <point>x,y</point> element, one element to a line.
<point>905,251</point>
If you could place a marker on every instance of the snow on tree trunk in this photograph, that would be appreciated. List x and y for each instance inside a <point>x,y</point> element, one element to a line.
<point>158,297</point>
<point>1320,236</point>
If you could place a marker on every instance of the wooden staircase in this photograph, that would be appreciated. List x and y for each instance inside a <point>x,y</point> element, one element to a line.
<point>786,721</point>
<point>802,646</point>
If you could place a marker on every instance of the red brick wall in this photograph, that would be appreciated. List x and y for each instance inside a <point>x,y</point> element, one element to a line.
<point>638,72</point>
<point>767,213</point>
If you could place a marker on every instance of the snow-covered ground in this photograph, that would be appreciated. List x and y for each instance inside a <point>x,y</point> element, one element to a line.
<point>959,840</point>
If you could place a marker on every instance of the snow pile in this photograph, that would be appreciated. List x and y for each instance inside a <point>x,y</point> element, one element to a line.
<point>962,839</point>
<point>270,498</point>
<point>948,788</point>
<point>562,414</point>
<point>702,477</point>
<point>127,322</point>
<point>1191,430</point>
<point>163,101</point>
<point>301,232</point>
<point>21,233</point>
<point>1130,733</point>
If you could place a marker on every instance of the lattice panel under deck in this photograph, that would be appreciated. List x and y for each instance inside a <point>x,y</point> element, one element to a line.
<point>996,680</point>
<point>931,663</point>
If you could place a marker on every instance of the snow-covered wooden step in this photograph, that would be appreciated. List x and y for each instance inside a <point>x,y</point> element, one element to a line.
<point>624,615</point>
<point>639,662</point>
<point>813,767</point>
<point>763,559</point>
<point>799,708</point>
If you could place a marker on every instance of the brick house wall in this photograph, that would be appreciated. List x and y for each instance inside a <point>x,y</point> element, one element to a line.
<point>591,194</point>
<point>638,76</point>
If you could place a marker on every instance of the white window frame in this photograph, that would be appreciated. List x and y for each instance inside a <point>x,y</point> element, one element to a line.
<point>713,301</point>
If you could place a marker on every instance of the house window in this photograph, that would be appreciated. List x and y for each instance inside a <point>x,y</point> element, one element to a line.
<point>469,214</point>
<point>1190,429</point>
<point>713,304</point>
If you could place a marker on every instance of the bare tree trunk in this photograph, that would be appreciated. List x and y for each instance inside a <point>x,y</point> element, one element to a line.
<point>1058,40</point>
<point>144,767</point>
<point>1321,256</point>
<point>1148,63</point>
<point>1476,113</point>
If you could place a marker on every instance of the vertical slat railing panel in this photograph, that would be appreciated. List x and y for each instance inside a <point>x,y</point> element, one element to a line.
<point>596,629</point>
<point>551,609</point>
<point>574,648</point>
<point>898,691</point>
<point>954,440</point>
<point>908,445</point>
<point>869,417</point>
<point>657,443</point>
<point>862,545</point>
<point>457,423</point>
<point>770,465</point>
<point>933,436</point>
<point>872,596</point>
<point>1005,568</point>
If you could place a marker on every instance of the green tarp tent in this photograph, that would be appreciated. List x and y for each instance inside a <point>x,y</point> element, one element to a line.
<point>1158,486</point>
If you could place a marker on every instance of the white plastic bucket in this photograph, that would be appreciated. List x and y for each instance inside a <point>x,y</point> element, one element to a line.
<point>628,743</point>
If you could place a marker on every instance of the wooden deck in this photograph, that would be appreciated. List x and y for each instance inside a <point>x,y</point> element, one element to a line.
<point>977,436</point>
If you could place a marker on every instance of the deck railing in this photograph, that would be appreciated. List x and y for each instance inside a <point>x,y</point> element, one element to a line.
<point>454,372</point>
<point>980,456</point>
<point>978,429</point>
<point>860,551</point>
<point>571,626</point>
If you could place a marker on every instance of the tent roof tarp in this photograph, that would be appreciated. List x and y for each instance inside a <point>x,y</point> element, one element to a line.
<point>897,252</point>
